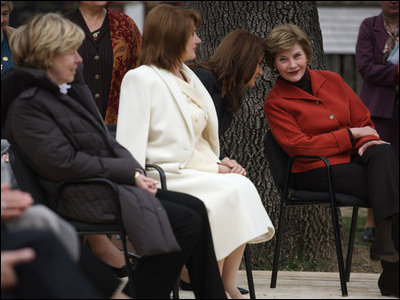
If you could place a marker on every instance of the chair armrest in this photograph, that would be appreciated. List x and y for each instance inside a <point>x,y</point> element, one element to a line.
<point>293,158</point>
<point>105,181</point>
<point>161,173</point>
<point>327,168</point>
<point>120,222</point>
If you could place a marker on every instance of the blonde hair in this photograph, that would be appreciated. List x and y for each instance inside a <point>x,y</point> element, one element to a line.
<point>166,32</point>
<point>8,4</point>
<point>285,37</point>
<point>35,44</point>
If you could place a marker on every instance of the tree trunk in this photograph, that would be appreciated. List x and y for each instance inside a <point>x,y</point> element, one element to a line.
<point>309,233</point>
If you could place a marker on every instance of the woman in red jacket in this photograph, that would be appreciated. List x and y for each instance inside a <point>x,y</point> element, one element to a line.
<point>314,112</point>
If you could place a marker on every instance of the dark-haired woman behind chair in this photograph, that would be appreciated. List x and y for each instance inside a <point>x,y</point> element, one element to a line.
<point>235,65</point>
<point>314,112</point>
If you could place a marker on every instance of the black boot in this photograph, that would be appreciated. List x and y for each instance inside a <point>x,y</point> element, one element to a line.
<point>389,280</point>
<point>383,246</point>
<point>119,272</point>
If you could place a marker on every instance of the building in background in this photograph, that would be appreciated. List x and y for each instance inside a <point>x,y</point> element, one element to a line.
<point>340,22</point>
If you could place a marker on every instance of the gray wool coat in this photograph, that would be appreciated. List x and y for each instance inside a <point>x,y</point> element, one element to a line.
<point>64,137</point>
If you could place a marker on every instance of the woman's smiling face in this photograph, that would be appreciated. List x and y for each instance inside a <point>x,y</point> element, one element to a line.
<point>291,64</point>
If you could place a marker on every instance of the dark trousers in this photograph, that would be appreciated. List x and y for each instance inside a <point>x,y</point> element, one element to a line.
<point>52,274</point>
<point>389,279</point>
<point>155,276</point>
<point>388,129</point>
<point>374,176</point>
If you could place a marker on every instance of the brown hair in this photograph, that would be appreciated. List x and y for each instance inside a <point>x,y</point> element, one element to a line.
<point>234,63</point>
<point>285,37</point>
<point>166,31</point>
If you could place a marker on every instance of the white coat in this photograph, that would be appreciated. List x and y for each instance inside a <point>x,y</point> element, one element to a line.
<point>155,126</point>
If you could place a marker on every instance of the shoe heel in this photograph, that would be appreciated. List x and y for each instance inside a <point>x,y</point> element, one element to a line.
<point>388,293</point>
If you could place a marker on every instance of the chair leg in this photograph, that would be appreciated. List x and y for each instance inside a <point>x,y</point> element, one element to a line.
<point>339,252</point>
<point>350,246</point>
<point>249,273</point>
<point>175,291</point>
<point>129,266</point>
<point>279,234</point>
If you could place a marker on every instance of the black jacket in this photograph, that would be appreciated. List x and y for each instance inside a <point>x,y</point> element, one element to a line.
<point>64,137</point>
<point>214,88</point>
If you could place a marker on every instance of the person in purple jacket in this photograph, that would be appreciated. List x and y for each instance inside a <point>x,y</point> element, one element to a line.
<point>377,37</point>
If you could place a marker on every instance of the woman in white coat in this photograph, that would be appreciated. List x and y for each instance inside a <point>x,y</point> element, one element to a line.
<point>167,117</point>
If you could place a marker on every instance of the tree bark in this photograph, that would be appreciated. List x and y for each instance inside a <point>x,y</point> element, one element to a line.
<point>309,232</point>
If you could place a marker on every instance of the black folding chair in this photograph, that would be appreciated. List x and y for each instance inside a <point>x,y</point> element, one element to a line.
<point>26,179</point>
<point>280,165</point>
<point>249,272</point>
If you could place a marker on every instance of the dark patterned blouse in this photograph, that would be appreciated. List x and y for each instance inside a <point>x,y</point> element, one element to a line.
<point>108,53</point>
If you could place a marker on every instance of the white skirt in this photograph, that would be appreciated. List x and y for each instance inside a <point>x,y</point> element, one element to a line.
<point>236,213</point>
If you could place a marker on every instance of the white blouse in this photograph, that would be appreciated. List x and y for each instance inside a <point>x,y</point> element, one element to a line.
<point>203,158</point>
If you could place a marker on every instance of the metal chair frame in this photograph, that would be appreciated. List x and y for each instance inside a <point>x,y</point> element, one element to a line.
<point>306,197</point>
<point>27,182</point>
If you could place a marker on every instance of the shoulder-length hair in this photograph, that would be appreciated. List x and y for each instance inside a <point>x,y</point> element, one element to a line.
<point>284,37</point>
<point>234,63</point>
<point>7,4</point>
<point>166,31</point>
<point>35,44</point>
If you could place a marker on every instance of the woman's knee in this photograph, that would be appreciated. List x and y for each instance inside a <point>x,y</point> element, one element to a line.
<point>382,151</point>
<point>188,228</point>
<point>197,205</point>
<point>185,200</point>
<point>194,222</point>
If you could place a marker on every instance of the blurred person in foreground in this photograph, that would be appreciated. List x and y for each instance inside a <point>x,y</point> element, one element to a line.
<point>36,264</point>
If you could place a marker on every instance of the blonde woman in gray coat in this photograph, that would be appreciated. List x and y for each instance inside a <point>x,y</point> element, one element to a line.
<point>53,121</point>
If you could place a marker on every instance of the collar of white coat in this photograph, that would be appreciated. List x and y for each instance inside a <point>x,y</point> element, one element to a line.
<point>171,81</point>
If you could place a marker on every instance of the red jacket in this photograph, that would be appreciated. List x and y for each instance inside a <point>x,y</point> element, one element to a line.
<point>126,42</point>
<point>316,124</point>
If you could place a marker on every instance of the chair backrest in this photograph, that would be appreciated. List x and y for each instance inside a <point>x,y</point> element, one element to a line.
<point>277,158</point>
<point>25,176</point>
